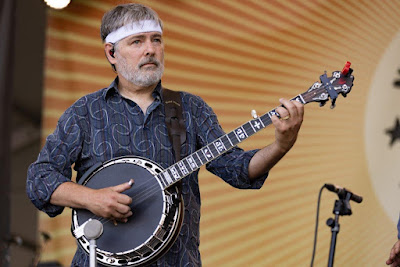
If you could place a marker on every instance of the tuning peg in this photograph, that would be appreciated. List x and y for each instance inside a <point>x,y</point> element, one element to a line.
<point>254,114</point>
<point>346,68</point>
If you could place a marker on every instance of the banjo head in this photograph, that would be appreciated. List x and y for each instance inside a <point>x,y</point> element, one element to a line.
<point>144,235</point>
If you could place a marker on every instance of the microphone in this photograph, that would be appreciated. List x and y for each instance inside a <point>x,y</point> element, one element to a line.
<point>342,192</point>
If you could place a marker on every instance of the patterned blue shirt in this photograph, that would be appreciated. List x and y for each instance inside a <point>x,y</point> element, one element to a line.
<point>398,228</point>
<point>104,125</point>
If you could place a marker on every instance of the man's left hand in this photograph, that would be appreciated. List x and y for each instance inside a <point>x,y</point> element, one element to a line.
<point>288,125</point>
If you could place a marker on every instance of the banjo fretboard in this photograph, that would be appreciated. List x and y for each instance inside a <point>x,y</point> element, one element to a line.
<point>216,148</point>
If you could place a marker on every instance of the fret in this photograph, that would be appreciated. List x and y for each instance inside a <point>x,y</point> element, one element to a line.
<point>197,159</point>
<point>244,131</point>
<point>266,119</point>
<point>192,163</point>
<point>164,182</point>
<point>201,157</point>
<point>174,173</point>
<point>248,128</point>
<point>252,127</point>
<point>300,99</point>
<point>213,149</point>
<point>207,153</point>
<point>227,138</point>
<point>182,168</point>
<point>231,136</point>
<point>262,123</point>
<point>167,177</point>
<point>219,146</point>
<point>273,112</point>
<point>178,170</point>
<point>256,124</point>
<point>237,137</point>
<point>240,134</point>
<point>186,165</point>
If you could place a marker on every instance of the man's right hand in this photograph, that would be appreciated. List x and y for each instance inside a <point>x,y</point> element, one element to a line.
<point>110,203</point>
<point>107,202</point>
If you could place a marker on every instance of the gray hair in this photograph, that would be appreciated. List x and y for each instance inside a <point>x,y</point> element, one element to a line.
<point>126,14</point>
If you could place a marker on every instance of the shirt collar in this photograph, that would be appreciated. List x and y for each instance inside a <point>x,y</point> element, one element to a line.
<point>113,89</point>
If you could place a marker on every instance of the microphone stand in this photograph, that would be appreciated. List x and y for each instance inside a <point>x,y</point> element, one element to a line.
<point>92,230</point>
<point>341,208</point>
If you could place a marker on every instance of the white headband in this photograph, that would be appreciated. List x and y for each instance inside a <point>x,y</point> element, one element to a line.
<point>133,28</point>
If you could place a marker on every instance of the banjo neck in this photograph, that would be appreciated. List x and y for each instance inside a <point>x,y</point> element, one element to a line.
<point>213,150</point>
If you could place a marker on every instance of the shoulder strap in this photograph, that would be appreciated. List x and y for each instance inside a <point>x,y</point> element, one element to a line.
<point>174,120</point>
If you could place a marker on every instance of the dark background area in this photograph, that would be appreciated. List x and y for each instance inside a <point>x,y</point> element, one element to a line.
<point>22,27</point>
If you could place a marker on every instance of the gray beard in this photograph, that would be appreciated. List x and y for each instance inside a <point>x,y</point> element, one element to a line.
<point>139,76</point>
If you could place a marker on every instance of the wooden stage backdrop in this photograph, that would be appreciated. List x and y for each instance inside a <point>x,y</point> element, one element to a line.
<point>244,55</point>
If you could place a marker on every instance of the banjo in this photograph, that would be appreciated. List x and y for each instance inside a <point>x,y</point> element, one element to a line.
<point>157,204</point>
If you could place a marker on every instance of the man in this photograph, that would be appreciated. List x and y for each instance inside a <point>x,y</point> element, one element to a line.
<point>127,118</point>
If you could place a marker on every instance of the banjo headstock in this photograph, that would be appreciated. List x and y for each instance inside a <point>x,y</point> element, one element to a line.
<point>340,82</point>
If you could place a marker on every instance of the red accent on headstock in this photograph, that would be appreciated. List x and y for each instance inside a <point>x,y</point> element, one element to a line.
<point>346,68</point>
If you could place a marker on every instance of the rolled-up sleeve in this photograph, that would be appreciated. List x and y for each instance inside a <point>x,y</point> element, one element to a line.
<point>53,165</point>
<point>233,166</point>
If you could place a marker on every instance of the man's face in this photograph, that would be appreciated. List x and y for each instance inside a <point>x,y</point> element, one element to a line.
<point>140,58</point>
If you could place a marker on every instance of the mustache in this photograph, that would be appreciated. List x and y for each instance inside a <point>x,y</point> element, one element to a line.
<point>150,60</point>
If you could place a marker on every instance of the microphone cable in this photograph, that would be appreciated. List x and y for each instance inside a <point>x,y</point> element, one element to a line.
<point>316,227</point>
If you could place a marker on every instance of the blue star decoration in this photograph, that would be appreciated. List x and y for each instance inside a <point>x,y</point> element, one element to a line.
<point>397,83</point>
<point>394,133</point>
